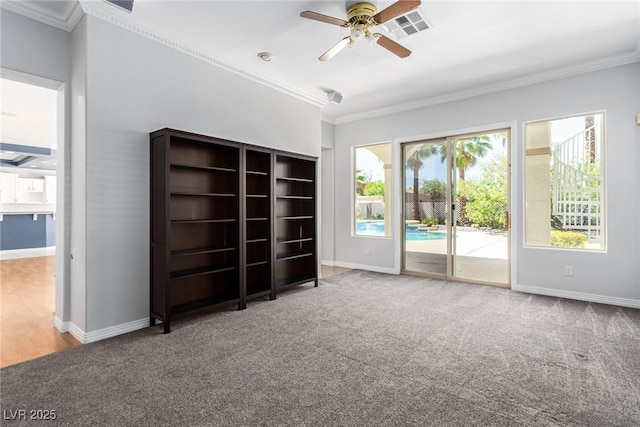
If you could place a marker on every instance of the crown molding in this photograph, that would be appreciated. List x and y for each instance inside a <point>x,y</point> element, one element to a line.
<point>107,16</point>
<point>559,73</point>
<point>65,20</point>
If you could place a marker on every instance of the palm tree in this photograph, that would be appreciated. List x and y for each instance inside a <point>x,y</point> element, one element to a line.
<point>467,153</point>
<point>590,139</point>
<point>361,180</point>
<point>414,163</point>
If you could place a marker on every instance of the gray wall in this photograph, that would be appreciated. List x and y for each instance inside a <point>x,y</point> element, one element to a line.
<point>78,312</point>
<point>134,86</point>
<point>614,274</point>
<point>328,135</point>
<point>35,53</point>
<point>327,209</point>
<point>327,254</point>
<point>34,48</point>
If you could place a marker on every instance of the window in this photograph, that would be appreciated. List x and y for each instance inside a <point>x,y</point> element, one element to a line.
<point>564,182</point>
<point>372,177</point>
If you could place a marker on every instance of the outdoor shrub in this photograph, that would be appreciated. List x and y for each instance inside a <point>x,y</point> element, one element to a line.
<point>486,195</point>
<point>374,188</point>
<point>568,239</point>
<point>429,220</point>
<point>487,212</point>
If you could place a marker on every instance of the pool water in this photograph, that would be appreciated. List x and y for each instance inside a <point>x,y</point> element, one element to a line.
<point>412,232</point>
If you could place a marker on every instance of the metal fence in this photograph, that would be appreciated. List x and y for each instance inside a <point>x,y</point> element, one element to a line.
<point>375,210</point>
<point>435,209</point>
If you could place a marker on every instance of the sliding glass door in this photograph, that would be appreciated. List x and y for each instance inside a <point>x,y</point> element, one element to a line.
<point>456,210</point>
<point>425,201</point>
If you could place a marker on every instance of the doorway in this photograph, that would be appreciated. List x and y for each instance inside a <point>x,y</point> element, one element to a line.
<point>456,207</point>
<point>31,217</point>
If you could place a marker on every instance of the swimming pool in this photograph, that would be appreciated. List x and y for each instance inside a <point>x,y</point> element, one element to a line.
<point>412,232</point>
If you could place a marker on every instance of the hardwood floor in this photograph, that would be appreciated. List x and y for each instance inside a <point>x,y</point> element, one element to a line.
<point>328,271</point>
<point>27,292</point>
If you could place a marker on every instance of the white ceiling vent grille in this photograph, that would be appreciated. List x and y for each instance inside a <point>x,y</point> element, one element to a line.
<point>406,25</point>
<point>122,4</point>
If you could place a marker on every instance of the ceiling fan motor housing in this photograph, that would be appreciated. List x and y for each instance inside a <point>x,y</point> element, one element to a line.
<point>360,15</point>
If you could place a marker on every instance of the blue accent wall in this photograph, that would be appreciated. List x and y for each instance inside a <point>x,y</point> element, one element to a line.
<point>22,232</point>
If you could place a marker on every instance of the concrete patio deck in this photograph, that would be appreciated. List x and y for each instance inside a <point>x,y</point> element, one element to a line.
<point>479,256</point>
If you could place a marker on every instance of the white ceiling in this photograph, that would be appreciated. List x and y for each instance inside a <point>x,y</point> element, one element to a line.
<point>473,47</point>
<point>28,115</point>
<point>28,126</point>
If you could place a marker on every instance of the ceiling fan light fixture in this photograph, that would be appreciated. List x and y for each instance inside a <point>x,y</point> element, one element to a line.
<point>357,34</point>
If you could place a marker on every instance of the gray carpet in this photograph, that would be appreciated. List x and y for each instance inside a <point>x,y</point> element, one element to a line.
<point>362,349</point>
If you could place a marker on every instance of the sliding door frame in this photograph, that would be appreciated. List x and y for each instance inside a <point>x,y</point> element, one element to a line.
<point>513,163</point>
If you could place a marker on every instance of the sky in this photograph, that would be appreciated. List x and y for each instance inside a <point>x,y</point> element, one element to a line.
<point>369,162</point>
<point>563,129</point>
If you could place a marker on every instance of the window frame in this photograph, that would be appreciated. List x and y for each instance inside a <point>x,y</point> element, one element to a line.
<point>604,184</point>
<point>387,198</point>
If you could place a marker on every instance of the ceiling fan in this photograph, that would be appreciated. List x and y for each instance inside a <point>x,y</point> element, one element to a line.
<point>361,17</point>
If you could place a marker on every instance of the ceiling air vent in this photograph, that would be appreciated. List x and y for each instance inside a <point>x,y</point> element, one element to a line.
<point>406,25</point>
<point>122,4</point>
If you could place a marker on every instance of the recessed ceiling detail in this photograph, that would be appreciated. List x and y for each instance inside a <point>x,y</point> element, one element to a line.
<point>27,156</point>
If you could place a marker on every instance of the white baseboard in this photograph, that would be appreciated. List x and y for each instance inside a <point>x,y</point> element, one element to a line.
<point>112,331</point>
<point>387,270</point>
<point>60,325</point>
<point>28,252</point>
<point>328,263</point>
<point>602,299</point>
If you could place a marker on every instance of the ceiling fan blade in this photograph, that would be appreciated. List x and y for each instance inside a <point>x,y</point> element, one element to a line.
<point>335,49</point>
<point>398,8</point>
<point>324,18</point>
<point>392,46</point>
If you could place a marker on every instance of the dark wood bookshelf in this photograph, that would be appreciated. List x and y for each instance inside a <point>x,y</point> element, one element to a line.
<point>257,233</point>
<point>195,223</point>
<point>230,222</point>
<point>295,206</point>
<point>202,168</point>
